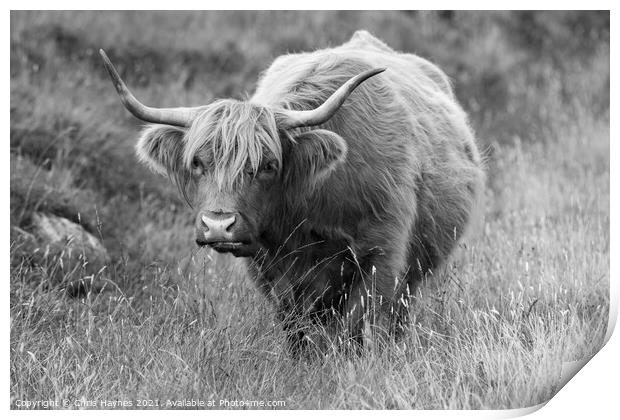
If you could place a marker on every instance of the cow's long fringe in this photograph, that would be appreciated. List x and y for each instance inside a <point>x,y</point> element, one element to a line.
<point>233,137</point>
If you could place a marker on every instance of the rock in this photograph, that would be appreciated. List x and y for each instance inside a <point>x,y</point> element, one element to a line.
<point>22,245</point>
<point>58,231</point>
<point>61,251</point>
<point>20,236</point>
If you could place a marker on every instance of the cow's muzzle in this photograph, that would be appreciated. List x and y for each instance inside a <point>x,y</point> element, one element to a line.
<point>224,232</point>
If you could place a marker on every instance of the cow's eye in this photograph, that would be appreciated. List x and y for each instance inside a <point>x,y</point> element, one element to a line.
<point>265,171</point>
<point>197,167</point>
<point>270,168</point>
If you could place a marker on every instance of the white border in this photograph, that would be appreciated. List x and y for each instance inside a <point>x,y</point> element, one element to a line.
<point>593,393</point>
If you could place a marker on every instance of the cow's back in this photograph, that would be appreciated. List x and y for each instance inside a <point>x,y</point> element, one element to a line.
<point>406,73</point>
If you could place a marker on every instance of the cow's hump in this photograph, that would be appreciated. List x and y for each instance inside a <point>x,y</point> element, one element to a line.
<point>364,39</point>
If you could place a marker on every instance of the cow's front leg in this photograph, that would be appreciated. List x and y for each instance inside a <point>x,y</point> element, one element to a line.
<point>309,334</point>
<point>376,305</point>
<point>296,343</point>
<point>306,321</point>
<point>291,318</point>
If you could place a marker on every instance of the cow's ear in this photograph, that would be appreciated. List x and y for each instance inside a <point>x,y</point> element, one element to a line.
<point>317,153</point>
<point>160,147</point>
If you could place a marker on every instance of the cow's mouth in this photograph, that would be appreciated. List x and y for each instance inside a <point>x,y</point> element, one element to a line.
<point>237,248</point>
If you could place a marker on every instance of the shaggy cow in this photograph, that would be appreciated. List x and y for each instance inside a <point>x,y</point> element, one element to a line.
<point>339,201</point>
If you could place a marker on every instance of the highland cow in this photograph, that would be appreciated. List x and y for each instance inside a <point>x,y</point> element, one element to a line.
<point>341,185</point>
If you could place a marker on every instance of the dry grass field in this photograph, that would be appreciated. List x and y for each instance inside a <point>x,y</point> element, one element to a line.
<point>528,291</point>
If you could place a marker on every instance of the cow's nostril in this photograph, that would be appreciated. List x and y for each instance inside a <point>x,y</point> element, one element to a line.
<point>205,221</point>
<point>233,219</point>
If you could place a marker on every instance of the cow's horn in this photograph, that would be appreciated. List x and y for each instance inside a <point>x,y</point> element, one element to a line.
<point>292,119</point>
<point>181,117</point>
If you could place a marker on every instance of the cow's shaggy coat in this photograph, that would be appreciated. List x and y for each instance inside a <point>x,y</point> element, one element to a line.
<point>364,206</point>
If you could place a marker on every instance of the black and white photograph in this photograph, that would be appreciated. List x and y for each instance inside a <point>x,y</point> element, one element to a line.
<point>326,210</point>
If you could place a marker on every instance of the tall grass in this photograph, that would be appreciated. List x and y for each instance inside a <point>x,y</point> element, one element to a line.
<point>528,292</point>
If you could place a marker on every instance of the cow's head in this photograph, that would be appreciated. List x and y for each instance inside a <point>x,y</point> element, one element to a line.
<point>236,161</point>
